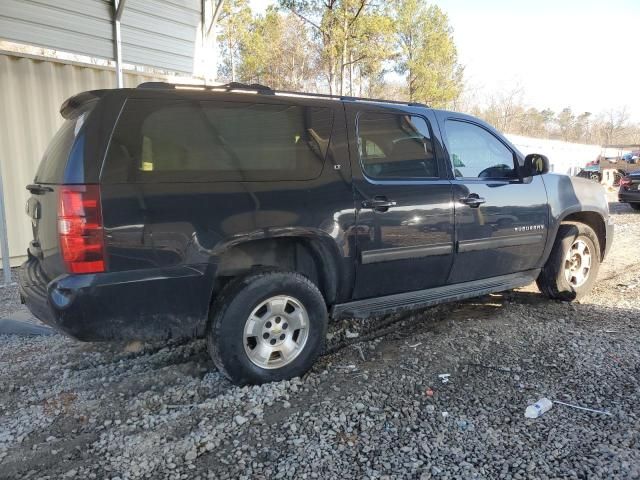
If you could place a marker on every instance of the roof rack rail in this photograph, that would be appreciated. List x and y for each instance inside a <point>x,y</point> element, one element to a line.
<point>154,85</point>
<point>227,86</point>
<point>349,98</point>
<point>264,90</point>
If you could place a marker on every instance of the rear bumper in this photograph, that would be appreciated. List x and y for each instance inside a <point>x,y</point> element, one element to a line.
<point>32,285</point>
<point>135,305</point>
<point>629,196</point>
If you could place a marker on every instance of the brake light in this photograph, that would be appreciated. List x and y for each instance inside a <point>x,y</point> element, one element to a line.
<point>625,182</point>
<point>80,228</point>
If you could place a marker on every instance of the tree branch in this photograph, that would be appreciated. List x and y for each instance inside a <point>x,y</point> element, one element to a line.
<point>305,19</point>
<point>355,61</point>
<point>363,4</point>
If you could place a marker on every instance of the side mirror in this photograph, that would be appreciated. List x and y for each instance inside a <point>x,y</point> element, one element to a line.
<point>535,164</point>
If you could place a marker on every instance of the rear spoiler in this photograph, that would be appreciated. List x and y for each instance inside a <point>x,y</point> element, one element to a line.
<point>74,106</point>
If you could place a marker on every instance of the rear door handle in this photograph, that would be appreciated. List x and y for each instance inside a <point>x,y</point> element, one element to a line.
<point>379,204</point>
<point>473,200</point>
<point>39,189</point>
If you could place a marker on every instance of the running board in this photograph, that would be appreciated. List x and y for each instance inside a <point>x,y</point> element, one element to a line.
<point>432,296</point>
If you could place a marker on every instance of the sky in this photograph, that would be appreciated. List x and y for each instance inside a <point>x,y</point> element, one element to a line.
<point>582,54</point>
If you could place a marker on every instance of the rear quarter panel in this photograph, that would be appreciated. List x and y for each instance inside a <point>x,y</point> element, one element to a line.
<point>170,225</point>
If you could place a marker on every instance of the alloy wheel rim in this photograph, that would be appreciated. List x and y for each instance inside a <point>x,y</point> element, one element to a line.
<point>577,263</point>
<point>276,332</point>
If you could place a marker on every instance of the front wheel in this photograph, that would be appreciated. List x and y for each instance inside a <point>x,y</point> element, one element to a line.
<point>573,264</point>
<point>267,326</point>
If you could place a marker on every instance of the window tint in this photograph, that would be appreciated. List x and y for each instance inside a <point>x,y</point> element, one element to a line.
<point>476,153</point>
<point>218,141</point>
<point>395,146</point>
<point>54,160</point>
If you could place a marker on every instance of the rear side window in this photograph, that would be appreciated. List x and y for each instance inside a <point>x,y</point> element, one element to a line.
<point>54,160</point>
<point>218,141</point>
<point>395,146</point>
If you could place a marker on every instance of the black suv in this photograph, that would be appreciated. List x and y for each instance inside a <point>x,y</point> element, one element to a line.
<point>249,216</point>
<point>629,191</point>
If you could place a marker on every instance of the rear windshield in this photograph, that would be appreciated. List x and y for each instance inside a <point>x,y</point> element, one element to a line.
<point>218,141</point>
<point>54,160</point>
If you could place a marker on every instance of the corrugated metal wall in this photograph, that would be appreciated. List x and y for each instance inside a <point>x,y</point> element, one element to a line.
<point>31,92</point>
<point>157,33</point>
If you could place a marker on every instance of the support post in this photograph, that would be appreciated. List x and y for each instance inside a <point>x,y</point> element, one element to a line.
<point>118,6</point>
<point>214,17</point>
<point>4,237</point>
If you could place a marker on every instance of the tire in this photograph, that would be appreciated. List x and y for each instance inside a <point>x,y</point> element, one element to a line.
<point>616,179</point>
<point>553,281</point>
<point>267,298</point>
<point>635,206</point>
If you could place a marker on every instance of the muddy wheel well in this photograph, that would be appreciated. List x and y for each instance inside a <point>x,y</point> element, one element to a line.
<point>595,221</point>
<point>310,257</point>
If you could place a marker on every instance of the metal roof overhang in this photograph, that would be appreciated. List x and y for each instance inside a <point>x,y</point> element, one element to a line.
<point>155,33</point>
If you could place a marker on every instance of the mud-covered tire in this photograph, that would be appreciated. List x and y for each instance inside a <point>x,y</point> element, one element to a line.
<point>552,280</point>
<point>229,318</point>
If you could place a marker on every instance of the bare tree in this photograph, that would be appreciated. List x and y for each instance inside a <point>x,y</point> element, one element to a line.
<point>504,108</point>
<point>335,23</point>
<point>614,126</point>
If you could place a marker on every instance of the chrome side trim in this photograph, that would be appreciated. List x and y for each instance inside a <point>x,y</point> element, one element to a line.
<point>499,242</point>
<point>402,253</point>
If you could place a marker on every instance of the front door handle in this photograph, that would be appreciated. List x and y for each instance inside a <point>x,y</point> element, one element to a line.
<point>379,204</point>
<point>473,200</point>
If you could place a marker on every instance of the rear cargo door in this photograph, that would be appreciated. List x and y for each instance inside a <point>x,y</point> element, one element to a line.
<point>634,186</point>
<point>42,206</point>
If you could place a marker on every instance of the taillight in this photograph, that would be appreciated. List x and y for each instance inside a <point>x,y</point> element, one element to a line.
<point>80,228</point>
<point>625,182</point>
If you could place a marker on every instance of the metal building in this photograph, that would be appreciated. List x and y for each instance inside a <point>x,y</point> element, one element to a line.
<point>156,33</point>
<point>31,94</point>
<point>168,35</point>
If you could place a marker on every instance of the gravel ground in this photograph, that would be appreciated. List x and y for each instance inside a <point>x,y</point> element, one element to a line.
<point>374,406</point>
<point>9,301</point>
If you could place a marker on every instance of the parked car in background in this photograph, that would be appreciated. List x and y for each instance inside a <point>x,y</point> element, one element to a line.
<point>591,171</point>
<point>594,172</point>
<point>630,190</point>
<point>631,157</point>
<point>595,162</point>
<point>249,217</point>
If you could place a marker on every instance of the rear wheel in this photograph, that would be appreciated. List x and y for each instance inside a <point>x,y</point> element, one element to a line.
<point>573,264</point>
<point>267,326</point>
<point>635,206</point>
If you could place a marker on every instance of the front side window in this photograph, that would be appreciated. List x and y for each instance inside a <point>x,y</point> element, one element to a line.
<point>476,153</point>
<point>395,146</point>
<point>220,141</point>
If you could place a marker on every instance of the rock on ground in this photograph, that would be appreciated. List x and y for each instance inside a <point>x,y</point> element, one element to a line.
<point>373,406</point>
